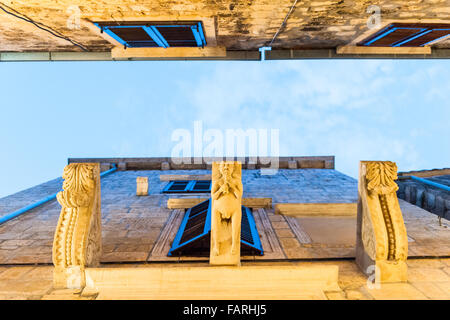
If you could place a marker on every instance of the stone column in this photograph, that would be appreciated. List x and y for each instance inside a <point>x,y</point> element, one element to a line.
<point>77,242</point>
<point>381,240</point>
<point>226,213</point>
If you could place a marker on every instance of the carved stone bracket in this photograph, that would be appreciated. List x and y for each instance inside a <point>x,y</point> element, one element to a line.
<point>381,242</point>
<point>226,213</point>
<point>77,242</point>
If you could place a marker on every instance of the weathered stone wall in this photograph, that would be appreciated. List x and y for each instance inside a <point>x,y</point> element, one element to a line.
<point>132,224</point>
<point>118,189</point>
<point>240,25</point>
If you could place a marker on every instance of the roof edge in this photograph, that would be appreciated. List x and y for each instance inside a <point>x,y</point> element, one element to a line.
<point>198,163</point>
<point>426,173</point>
<point>231,55</point>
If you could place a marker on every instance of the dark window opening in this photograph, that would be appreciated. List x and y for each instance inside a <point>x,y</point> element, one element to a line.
<point>155,34</point>
<point>194,235</point>
<point>188,186</point>
<point>407,35</point>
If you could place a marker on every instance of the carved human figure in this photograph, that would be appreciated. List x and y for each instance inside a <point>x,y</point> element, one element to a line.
<point>226,212</point>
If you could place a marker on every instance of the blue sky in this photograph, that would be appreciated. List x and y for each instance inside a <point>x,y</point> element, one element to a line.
<point>395,110</point>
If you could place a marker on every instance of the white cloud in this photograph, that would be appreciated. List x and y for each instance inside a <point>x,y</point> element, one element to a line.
<point>351,109</point>
<point>355,109</point>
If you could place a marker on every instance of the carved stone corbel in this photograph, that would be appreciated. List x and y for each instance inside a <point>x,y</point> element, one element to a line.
<point>226,213</point>
<point>77,242</point>
<point>381,240</point>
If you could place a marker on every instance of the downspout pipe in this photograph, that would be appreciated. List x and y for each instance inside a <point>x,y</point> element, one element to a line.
<point>14,214</point>
<point>263,52</point>
<point>23,210</point>
<point>431,183</point>
<point>105,173</point>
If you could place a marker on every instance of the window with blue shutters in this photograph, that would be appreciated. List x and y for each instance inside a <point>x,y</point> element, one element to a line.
<point>407,35</point>
<point>188,186</point>
<point>155,34</point>
<point>194,235</point>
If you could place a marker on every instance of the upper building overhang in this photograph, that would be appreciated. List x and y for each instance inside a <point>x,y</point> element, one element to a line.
<point>42,30</point>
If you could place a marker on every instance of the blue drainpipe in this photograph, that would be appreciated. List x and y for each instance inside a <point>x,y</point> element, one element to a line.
<point>104,173</point>
<point>431,183</point>
<point>14,214</point>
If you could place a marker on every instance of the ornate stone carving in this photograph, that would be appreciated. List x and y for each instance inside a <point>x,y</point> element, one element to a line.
<point>381,234</point>
<point>77,242</point>
<point>226,213</point>
<point>380,177</point>
<point>142,186</point>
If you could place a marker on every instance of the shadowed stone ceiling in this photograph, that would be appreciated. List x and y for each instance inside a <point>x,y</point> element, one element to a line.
<point>240,25</point>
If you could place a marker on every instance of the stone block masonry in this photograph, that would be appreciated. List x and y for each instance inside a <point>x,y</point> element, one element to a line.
<point>131,225</point>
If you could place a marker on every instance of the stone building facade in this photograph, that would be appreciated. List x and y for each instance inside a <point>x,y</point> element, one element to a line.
<point>139,230</point>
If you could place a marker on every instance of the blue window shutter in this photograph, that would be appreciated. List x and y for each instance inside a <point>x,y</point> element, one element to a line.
<point>194,226</point>
<point>177,186</point>
<point>201,186</point>
<point>193,236</point>
<point>197,31</point>
<point>407,35</point>
<point>249,232</point>
<point>155,34</point>
<point>191,186</point>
